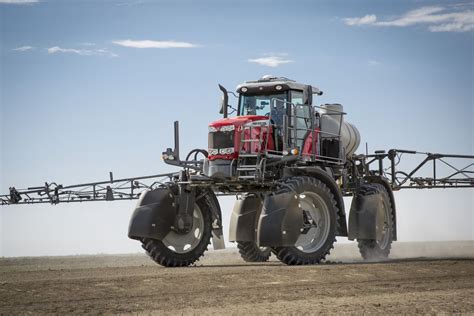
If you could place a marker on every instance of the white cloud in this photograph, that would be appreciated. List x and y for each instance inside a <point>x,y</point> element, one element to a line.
<point>82,52</point>
<point>23,48</point>
<point>270,61</point>
<point>18,1</point>
<point>367,19</point>
<point>153,44</point>
<point>436,18</point>
<point>452,27</point>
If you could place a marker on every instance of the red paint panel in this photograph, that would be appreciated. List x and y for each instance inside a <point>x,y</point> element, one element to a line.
<point>238,122</point>
<point>308,144</point>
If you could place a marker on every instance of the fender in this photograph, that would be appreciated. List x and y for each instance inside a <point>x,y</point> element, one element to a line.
<point>280,221</point>
<point>333,187</point>
<point>154,214</point>
<point>366,213</point>
<point>388,187</point>
<point>244,218</point>
<point>363,216</point>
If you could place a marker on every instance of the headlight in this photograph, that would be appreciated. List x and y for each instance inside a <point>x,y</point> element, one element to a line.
<point>243,89</point>
<point>213,152</point>
<point>278,87</point>
<point>226,151</point>
<point>227,128</point>
<point>167,157</point>
<point>212,129</point>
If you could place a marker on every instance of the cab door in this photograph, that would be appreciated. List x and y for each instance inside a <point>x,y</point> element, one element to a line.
<point>300,119</point>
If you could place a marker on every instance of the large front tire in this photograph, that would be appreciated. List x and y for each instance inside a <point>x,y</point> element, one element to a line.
<point>373,249</point>
<point>180,250</point>
<point>320,213</point>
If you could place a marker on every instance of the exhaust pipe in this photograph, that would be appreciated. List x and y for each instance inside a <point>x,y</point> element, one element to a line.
<point>224,102</point>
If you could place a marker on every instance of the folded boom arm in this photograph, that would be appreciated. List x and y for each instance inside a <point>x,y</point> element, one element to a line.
<point>452,176</point>
<point>111,190</point>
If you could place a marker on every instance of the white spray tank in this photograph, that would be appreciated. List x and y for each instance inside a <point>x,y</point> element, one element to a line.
<point>332,120</point>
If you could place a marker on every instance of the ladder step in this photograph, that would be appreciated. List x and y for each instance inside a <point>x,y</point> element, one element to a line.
<point>248,166</point>
<point>248,155</point>
<point>246,177</point>
<point>246,169</point>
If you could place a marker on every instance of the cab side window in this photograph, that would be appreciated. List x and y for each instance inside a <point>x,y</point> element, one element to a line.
<point>296,97</point>
<point>302,113</point>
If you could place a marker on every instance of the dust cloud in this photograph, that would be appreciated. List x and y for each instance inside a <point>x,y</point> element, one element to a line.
<point>349,252</point>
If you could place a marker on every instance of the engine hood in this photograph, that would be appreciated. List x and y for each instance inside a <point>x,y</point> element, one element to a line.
<point>225,143</point>
<point>237,120</point>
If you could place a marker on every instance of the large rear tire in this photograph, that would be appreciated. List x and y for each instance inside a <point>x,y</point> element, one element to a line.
<point>179,250</point>
<point>320,214</point>
<point>250,252</point>
<point>372,249</point>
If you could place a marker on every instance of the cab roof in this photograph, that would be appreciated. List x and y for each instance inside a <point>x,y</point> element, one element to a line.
<point>271,84</point>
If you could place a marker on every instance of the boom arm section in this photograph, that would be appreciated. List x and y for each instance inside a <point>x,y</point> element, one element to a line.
<point>111,190</point>
<point>452,176</point>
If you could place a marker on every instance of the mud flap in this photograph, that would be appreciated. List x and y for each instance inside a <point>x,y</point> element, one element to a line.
<point>218,239</point>
<point>365,214</point>
<point>154,215</point>
<point>281,220</point>
<point>244,219</point>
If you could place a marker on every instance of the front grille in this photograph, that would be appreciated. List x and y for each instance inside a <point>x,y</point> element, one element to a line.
<point>220,139</point>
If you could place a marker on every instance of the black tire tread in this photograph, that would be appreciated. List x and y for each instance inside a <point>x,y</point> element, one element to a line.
<point>250,252</point>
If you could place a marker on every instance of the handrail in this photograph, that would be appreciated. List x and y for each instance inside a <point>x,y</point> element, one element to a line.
<point>292,130</point>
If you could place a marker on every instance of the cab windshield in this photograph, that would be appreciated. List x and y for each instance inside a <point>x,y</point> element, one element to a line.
<point>266,105</point>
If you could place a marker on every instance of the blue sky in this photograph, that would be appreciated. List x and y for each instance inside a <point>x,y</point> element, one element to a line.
<point>89,87</point>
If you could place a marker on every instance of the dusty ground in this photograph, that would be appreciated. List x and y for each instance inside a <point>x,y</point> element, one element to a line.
<point>423,278</point>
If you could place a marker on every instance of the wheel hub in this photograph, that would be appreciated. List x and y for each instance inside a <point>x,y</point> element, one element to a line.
<point>317,222</point>
<point>308,222</point>
<point>185,242</point>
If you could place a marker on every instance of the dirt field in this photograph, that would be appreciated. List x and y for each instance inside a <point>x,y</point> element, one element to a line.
<point>222,283</point>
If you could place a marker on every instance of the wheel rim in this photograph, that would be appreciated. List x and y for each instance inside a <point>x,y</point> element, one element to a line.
<point>318,211</point>
<point>183,243</point>
<point>385,238</point>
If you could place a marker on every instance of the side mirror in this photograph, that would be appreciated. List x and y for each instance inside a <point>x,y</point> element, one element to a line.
<point>308,95</point>
<point>224,101</point>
